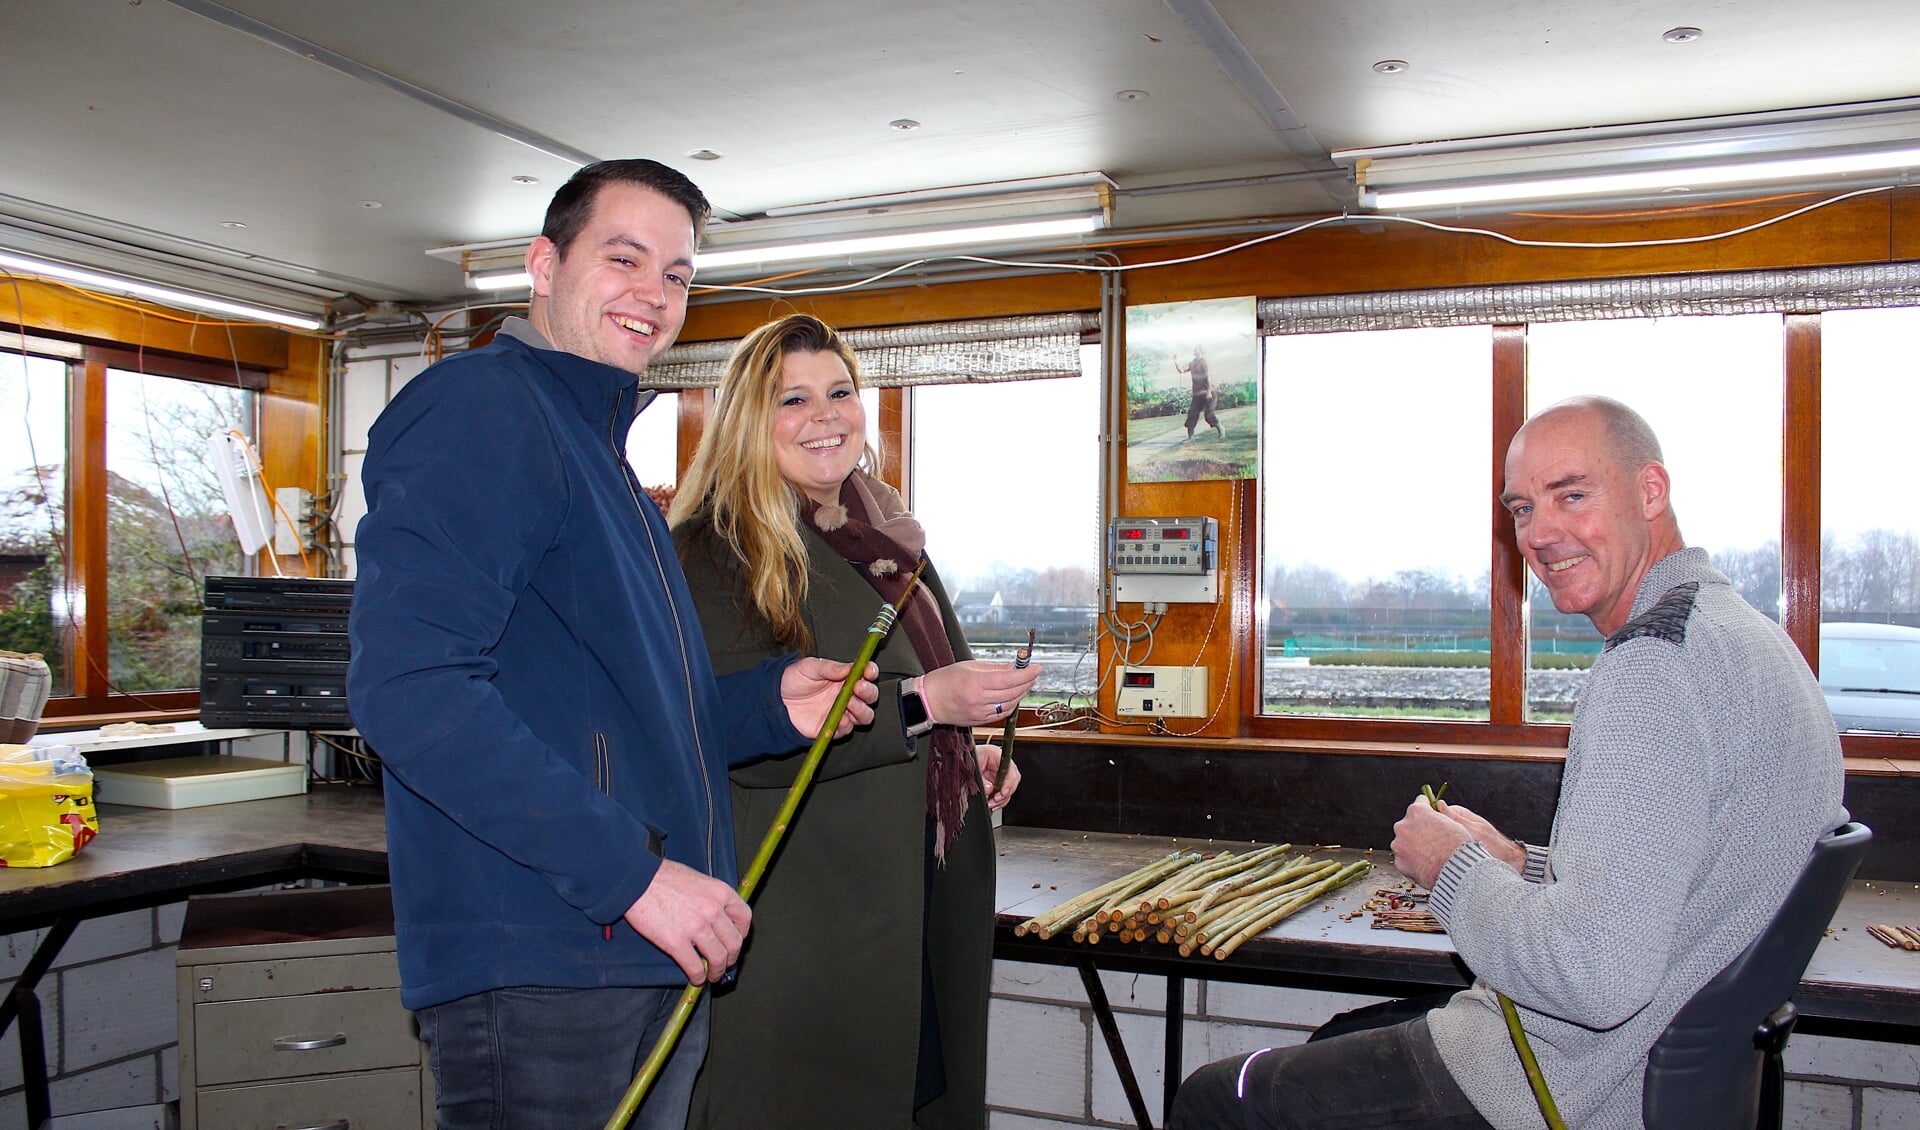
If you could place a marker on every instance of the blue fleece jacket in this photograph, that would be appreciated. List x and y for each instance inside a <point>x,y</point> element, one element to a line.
<point>529,667</point>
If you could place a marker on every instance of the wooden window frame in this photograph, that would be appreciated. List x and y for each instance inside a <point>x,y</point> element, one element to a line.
<point>84,586</point>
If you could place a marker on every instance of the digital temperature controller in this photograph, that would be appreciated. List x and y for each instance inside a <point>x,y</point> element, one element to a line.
<point>1175,546</point>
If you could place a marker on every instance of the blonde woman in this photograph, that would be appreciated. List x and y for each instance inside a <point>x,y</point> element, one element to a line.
<point>862,994</point>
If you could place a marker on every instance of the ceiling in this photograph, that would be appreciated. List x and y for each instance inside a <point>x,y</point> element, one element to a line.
<point>151,128</point>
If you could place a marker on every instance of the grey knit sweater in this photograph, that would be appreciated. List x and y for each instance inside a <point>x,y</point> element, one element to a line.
<point>1703,765</point>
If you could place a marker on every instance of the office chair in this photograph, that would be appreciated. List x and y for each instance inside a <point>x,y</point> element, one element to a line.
<point>1719,1061</point>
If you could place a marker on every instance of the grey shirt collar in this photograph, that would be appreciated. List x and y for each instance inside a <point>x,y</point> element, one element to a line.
<point>522,330</point>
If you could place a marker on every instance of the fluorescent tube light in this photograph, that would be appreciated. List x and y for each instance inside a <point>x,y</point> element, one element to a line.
<point>900,241</point>
<point>839,248</point>
<point>500,280</point>
<point>1000,216</point>
<point>1810,147</point>
<point>1644,180</point>
<point>162,294</point>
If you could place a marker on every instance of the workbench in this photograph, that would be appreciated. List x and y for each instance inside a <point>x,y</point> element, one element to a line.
<point>145,857</point>
<point>1854,987</point>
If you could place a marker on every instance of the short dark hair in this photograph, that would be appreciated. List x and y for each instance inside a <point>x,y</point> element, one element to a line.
<point>572,206</point>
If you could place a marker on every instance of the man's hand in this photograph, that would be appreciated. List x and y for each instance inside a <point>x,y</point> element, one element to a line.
<point>989,757</point>
<point>810,684</point>
<point>1478,827</point>
<point>693,918</point>
<point>1422,841</point>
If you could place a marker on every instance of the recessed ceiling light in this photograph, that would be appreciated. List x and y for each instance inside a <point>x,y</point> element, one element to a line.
<point>904,125</point>
<point>1682,34</point>
<point>1132,95</point>
<point>703,155</point>
<point>369,203</point>
<point>232,224</point>
<point>1390,66</point>
<point>524,179</point>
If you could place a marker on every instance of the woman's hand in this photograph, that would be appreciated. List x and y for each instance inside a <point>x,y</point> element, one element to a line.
<point>989,756</point>
<point>975,692</point>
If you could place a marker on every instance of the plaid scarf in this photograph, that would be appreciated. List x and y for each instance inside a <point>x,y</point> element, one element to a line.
<point>872,529</point>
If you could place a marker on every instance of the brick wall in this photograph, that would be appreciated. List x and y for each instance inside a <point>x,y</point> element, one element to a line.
<point>107,1012</point>
<point>1049,1068</point>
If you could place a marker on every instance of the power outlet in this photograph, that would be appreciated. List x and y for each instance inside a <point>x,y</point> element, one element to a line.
<point>297,504</point>
<point>1162,692</point>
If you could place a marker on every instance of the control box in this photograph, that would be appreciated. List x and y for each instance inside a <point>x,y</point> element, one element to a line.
<point>1162,692</point>
<point>1169,560</point>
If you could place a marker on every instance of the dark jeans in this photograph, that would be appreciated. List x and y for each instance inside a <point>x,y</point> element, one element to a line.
<point>554,1059</point>
<point>1372,1067</point>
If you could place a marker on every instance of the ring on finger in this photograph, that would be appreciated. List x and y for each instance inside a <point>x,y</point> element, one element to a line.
<point>998,706</point>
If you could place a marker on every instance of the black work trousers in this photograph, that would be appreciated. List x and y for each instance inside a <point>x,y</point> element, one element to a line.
<point>1372,1067</point>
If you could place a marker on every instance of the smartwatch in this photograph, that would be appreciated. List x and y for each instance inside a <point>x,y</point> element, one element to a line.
<point>914,717</point>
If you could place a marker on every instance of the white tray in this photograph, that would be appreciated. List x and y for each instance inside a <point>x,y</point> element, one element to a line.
<point>190,782</point>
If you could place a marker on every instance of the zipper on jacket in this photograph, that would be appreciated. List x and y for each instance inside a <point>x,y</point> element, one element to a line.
<point>602,780</point>
<point>673,610</point>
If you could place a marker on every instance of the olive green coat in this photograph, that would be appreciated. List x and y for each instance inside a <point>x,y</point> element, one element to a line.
<point>822,1026</point>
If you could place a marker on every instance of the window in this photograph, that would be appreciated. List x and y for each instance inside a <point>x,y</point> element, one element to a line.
<point>1869,520</point>
<point>111,518</point>
<point>1006,482</point>
<point>1411,442</point>
<point>1710,387</point>
<point>33,511</point>
<point>1376,489</point>
<point>167,524</point>
<point>653,446</point>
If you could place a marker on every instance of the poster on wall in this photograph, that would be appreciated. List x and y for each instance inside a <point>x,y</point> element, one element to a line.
<point>1193,385</point>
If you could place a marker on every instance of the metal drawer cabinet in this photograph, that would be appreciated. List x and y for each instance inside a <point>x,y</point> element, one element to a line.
<point>290,1015</point>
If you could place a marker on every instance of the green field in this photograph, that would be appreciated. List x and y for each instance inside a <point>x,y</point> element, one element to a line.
<point>1158,449</point>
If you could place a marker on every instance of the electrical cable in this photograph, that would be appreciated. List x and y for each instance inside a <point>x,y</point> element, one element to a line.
<point>1226,684</point>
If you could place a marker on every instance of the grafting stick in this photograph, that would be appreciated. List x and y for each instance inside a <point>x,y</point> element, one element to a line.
<point>682,1012</point>
<point>1020,660</point>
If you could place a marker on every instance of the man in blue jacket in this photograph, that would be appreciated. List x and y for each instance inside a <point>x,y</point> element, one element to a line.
<point>528,664</point>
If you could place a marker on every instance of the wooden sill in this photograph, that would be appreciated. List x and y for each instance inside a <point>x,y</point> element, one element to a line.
<point>1869,761</point>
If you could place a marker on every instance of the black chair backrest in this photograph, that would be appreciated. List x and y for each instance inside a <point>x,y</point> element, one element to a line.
<point>1704,1070</point>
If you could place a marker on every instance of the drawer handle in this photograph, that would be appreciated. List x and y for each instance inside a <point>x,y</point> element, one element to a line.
<point>309,1044</point>
<point>336,1124</point>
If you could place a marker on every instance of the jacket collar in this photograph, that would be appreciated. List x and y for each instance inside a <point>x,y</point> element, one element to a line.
<point>597,389</point>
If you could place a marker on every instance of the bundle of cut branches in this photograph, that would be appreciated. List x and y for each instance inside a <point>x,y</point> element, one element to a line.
<point>1902,937</point>
<point>1209,903</point>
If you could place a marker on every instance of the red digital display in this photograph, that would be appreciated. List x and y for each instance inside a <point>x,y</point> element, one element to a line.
<point>1132,535</point>
<point>1175,534</point>
<point>1137,679</point>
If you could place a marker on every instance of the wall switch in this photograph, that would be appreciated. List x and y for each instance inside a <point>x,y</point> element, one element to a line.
<point>1162,692</point>
<point>297,502</point>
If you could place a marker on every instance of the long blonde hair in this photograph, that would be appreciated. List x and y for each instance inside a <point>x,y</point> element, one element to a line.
<point>736,482</point>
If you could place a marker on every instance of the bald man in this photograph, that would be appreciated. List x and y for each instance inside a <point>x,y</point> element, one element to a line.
<point>1701,768</point>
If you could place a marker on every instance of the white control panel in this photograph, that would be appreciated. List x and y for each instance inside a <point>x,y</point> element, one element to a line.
<point>1165,560</point>
<point>1162,692</point>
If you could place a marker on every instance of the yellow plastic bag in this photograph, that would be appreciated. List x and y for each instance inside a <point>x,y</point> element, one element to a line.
<point>46,805</point>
